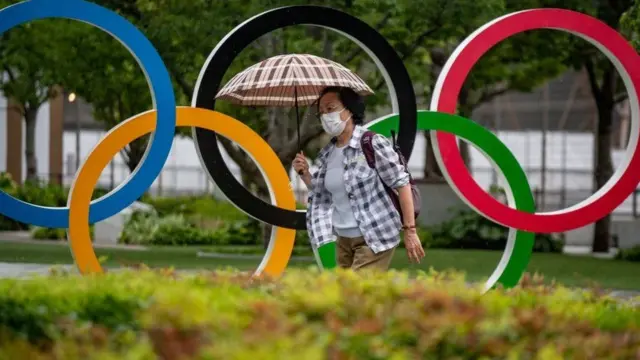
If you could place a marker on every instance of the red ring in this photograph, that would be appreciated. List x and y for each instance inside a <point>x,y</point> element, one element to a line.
<point>448,89</point>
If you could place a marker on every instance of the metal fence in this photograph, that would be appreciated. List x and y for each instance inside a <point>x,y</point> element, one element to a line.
<point>563,187</point>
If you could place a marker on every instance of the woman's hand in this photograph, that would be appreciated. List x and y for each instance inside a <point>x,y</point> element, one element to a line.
<point>301,166</point>
<point>413,245</point>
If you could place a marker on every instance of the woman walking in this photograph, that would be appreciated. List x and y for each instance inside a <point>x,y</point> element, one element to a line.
<point>347,197</point>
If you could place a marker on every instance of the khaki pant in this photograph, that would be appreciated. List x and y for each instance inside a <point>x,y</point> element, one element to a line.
<point>355,254</point>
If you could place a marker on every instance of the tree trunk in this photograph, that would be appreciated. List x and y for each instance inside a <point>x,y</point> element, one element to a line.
<point>464,152</point>
<point>263,193</point>
<point>604,97</point>
<point>30,118</point>
<point>135,152</point>
<point>432,170</point>
<point>603,172</point>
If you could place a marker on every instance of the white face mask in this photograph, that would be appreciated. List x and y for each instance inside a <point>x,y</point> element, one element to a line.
<point>332,124</point>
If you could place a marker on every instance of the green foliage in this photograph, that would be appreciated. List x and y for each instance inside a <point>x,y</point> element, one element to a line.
<point>630,24</point>
<point>470,230</point>
<point>184,34</point>
<point>29,56</point>
<point>195,206</point>
<point>246,232</point>
<point>39,193</point>
<point>6,182</point>
<point>145,228</point>
<point>631,254</point>
<point>203,219</point>
<point>230,315</point>
<point>41,233</point>
<point>11,188</point>
<point>32,192</point>
<point>180,218</point>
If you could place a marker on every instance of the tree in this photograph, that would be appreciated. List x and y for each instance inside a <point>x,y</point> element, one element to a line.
<point>28,58</point>
<point>107,76</point>
<point>607,91</point>
<point>520,63</point>
<point>630,24</point>
<point>184,35</point>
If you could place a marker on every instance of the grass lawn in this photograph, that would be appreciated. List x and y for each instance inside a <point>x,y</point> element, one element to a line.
<point>569,270</point>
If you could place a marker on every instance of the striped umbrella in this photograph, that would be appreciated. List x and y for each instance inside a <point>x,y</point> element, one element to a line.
<point>289,80</point>
<point>284,80</point>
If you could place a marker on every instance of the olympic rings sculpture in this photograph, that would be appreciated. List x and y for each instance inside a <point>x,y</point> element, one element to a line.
<point>519,213</point>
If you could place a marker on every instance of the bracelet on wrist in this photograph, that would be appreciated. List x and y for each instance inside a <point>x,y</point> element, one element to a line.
<point>407,227</point>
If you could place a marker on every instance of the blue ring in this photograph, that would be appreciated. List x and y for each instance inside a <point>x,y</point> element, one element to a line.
<point>161,92</point>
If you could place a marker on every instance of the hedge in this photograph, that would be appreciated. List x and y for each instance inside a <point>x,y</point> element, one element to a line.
<point>470,230</point>
<point>42,233</point>
<point>144,228</point>
<point>306,315</point>
<point>195,207</point>
<point>630,254</point>
<point>35,192</point>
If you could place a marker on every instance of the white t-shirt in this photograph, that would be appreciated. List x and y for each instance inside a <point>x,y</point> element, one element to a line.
<point>344,223</point>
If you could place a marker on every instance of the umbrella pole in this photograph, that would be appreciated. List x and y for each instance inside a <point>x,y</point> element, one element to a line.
<point>295,99</point>
<point>295,95</point>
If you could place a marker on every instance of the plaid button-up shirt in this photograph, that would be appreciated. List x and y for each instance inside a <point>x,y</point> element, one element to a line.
<point>372,208</point>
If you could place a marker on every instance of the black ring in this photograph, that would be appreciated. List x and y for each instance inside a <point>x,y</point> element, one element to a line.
<point>242,36</point>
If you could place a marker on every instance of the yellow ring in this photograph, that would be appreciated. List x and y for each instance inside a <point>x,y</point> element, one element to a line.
<point>281,246</point>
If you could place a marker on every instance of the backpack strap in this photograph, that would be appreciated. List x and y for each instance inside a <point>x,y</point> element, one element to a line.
<point>367,148</point>
<point>366,142</point>
<point>396,147</point>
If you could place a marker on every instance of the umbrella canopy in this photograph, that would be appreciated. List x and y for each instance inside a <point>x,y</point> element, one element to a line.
<point>289,80</point>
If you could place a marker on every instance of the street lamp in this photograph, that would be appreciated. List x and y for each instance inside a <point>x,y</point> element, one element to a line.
<point>72,99</point>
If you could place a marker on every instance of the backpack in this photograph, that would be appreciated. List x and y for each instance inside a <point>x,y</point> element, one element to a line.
<point>367,148</point>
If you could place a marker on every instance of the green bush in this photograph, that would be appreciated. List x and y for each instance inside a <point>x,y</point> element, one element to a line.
<point>41,233</point>
<point>631,254</point>
<point>10,187</point>
<point>178,229</point>
<point>246,232</point>
<point>151,229</point>
<point>205,206</point>
<point>305,315</point>
<point>35,192</point>
<point>470,230</point>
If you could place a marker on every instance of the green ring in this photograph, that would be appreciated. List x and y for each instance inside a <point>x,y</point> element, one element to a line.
<point>517,254</point>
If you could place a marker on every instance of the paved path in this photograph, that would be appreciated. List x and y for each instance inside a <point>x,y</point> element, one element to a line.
<point>26,238</point>
<point>22,270</point>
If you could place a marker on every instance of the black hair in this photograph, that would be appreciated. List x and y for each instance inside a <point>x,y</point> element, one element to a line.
<point>351,100</point>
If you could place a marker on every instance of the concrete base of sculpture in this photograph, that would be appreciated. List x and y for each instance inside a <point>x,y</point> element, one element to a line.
<point>624,228</point>
<point>108,231</point>
<point>627,230</point>
<point>587,251</point>
<point>580,237</point>
<point>439,203</point>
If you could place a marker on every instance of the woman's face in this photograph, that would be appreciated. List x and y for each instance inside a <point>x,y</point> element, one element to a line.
<point>330,103</point>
